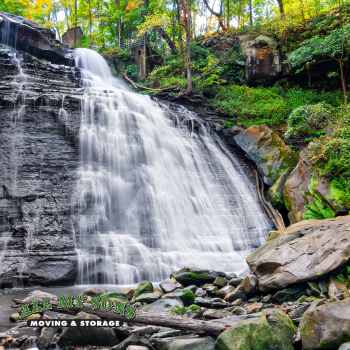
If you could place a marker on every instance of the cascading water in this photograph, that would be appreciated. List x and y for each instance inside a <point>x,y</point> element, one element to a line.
<point>153,196</point>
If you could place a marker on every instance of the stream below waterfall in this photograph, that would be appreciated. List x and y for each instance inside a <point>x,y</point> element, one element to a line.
<point>153,195</point>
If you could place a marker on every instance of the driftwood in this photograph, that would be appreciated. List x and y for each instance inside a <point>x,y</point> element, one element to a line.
<point>147,318</point>
<point>272,213</point>
<point>125,75</point>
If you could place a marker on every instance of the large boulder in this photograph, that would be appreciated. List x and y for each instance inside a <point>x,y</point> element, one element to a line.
<point>302,252</point>
<point>272,330</point>
<point>81,336</point>
<point>326,326</point>
<point>307,195</point>
<point>268,152</point>
<point>192,275</point>
<point>28,36</point>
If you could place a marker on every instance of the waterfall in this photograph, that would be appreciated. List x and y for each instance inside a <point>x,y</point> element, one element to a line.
<point>152,195</point>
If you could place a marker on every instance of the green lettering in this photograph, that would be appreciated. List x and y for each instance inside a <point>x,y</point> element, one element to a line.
<point>119,308</point>
<point>64,303</point>
<point>130,312</point>
<point>95,303</point>
<point>46,305</point>
<point>25,311</point>
<point>36,307</point>
<point>80,300</point>
<point>103,304</point>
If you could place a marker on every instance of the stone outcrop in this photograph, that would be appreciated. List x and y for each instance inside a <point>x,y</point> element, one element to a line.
<point>302,252</point>
<point>262,63</point>
<point>33,38</point>
<point>39,158</point>
<point>307,195</point>
<point>326,326</point>
<point>267,150</point>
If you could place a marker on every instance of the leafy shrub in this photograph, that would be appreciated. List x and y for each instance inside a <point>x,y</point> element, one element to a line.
<point>309,119</point>
<point>132,71</point>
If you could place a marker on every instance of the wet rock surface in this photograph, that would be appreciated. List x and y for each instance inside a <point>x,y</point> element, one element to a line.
<point>267,150</point>
<point>33,38</point>
<point>39,158</point>
<point>302,252</point>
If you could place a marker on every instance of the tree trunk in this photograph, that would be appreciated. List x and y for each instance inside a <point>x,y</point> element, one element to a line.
<point>166,37</point>
<point>185,7</point>
<point>280,5</point>
<point>147,318</point>
<point>76,20</point>
<point>90,20</point>
<point>218,15</point>
<point>343,82</point>
<point>251,12</point>
<point>228,13</point>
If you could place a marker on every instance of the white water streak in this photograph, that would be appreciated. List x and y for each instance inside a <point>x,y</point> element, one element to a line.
<point>153,197</point>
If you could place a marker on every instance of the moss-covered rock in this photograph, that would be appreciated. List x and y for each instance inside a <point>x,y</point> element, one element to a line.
<point>194,276</point>
<point>275,193</point>
<point>271,331</point>
<point>221,293</point>
<point>185,295</point>
<point>307,195</point>
<point>326,326</point>
<point>210,289</point>
<point>94,292</point>
<point>220,282</point>
<point>268,151</point>
<point>149,298</point>
<point>143,288</point>
<point>129,292</point>
<point>115,296</point>
<point>164,304</point>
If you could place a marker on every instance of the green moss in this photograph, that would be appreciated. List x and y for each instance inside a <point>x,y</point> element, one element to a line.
<point>178,310</point>
<point>114,295</point>
<point>144,287</point>
<point>194,308</point>
<point>185,295</point>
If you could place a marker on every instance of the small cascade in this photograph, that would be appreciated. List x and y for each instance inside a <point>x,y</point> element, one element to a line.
<point>154,196</point>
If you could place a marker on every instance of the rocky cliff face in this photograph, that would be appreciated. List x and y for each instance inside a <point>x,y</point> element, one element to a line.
<point>38,162</point>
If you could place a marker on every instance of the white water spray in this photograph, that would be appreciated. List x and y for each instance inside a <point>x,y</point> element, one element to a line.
<point>153,196</point>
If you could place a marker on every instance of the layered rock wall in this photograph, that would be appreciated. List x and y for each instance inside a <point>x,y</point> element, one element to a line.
<point>38,159</point>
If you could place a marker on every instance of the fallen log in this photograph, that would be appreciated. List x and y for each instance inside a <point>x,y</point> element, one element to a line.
<point>147,318</point>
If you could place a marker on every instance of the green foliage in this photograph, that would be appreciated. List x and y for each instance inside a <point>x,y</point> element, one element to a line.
<point>178,310</point>
<point>308,119</point>
<point>132,71</point>
<point>120,53</point>
<point>270,106</point>
<point>341,278</point>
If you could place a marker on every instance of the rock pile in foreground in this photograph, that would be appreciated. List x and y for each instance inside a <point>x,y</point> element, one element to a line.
<point>309,314</point>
